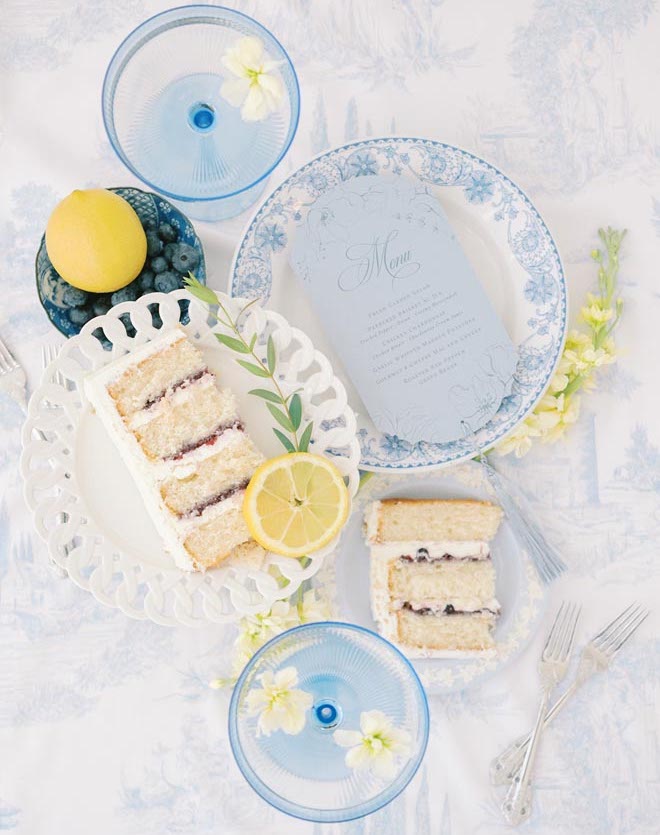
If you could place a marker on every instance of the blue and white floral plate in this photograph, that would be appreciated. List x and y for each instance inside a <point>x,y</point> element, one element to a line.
<point>503,235</point>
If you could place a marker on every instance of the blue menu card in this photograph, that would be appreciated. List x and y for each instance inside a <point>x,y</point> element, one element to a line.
<point>403,308</point>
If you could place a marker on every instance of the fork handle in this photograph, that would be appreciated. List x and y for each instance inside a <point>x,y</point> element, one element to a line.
<point>517,806</point>
<point>505,767</point>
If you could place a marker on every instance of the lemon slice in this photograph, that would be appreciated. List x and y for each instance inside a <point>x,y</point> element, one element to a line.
<point>296,504</point>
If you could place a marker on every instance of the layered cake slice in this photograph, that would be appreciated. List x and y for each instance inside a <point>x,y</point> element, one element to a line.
<point>182,439</point>
<point>432,578</point>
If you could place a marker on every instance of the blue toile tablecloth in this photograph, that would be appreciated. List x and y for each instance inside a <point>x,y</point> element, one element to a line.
<point>107,725</point>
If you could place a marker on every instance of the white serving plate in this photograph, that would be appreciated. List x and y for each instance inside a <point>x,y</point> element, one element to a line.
<point>84,500</point>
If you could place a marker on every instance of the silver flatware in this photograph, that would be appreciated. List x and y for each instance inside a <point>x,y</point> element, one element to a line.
<point>12,377</point>
<point>549,565</point>
<point>517,806</point>
<point>596,656</point>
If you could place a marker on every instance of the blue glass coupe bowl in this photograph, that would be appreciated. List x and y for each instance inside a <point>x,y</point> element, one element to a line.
<point>170,126</point>
<point>347,670</point>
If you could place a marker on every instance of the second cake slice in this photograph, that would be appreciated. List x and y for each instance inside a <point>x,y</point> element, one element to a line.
<point>432,577</point>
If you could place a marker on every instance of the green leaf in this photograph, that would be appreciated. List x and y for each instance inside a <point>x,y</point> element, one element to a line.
<point>305,438</point>
<point>204,294</point>
<point>283,420</point>
<point>233,343</point>
<point>286,443</point>
<point>295,411</point>
<point>257,370</point>
<point>266,395</point>
<point>365,476</point>
<point>253,341</point>
<point>271,355</point>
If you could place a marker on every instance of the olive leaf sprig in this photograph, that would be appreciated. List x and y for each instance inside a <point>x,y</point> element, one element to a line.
<point>285,409</point>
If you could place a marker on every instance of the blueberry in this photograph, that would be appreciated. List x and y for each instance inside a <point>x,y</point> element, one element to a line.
<point>101,305</point>
<point>167,281</point>
<point>126,294</point>
<point>154,244</point>
<point>166,232</point>
<point>169,251</point>
<point>126,319</point>
<point>105,342</point>
<point>149,225</point>
<point>146,280</point>
<point>156,321</point>
<point>184,318</point>
<point>159,264</point>
<point>73,297</point>
<point>185,258</point>
<point>80,315</point>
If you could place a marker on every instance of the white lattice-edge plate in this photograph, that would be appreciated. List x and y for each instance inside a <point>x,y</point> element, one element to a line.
<point>87,506</point>
<point>518,589</point>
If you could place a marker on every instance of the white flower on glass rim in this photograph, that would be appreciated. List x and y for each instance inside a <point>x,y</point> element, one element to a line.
<point>255,89</point>
<point>278,704</point>
<point>376,745</point>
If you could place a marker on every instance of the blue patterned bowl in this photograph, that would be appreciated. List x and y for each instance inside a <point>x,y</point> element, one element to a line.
<point>69,308</point>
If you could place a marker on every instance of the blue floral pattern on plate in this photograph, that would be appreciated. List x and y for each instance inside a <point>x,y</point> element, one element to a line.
<point>503,206</point>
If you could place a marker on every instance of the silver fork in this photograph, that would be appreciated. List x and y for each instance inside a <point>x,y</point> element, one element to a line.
<point>49,354</point>
<point>517,804</point>
<point>597,655</point>
<point>12,377</point>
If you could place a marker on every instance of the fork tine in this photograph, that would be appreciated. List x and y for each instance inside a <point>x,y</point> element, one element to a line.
<point>632,628</point>
<point>561,630</point>
<point>623,624</point>
<point>612,628</point>
<point>6,356</point>
<point>570,635</point>
<point>606,631</point>
<point>547,649</point>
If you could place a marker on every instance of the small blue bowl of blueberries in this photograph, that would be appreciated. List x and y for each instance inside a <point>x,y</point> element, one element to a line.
<point>173,250</point>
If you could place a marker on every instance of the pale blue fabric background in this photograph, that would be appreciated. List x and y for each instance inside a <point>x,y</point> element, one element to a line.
<point>107,725</point>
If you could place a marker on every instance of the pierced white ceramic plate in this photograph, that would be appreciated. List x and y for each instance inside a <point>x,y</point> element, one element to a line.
<point>518,588</point>
<point>85,502</point>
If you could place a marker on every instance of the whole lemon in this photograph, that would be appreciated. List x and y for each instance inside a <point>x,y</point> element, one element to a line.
<point>95,240</point>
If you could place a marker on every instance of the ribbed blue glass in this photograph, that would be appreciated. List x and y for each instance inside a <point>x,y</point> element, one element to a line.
<point>168,123</point>
<point>348,670</point>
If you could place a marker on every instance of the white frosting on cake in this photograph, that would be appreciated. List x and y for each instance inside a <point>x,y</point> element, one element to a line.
<point>469,549</point>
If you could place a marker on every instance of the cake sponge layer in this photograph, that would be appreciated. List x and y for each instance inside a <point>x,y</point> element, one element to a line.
<point>400,520</point>
<point>460,632</point>
<point>204,411</point>
<point>151,377</point>
<point>465,584</point>
<point>232,466</point>
<point>213,541</point>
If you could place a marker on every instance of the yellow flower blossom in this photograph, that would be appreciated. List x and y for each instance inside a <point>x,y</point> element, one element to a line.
<point>520,440</point>
<point>555,414</point>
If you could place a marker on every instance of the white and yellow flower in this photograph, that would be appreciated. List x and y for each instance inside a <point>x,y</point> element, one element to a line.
<point>376,746</point>
<point>554,414</point>
<point>256,630</point>
<point>313,608</point>
<point>278,704</point>
<point>519,442</point>
<point>255,88</point>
